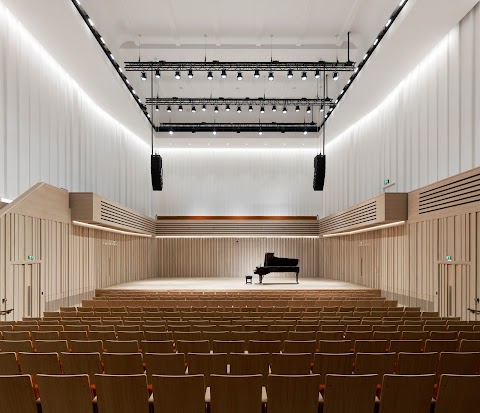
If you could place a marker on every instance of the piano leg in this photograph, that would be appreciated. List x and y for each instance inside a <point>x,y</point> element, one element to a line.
<point>260,278</point>
<point>297,276</point>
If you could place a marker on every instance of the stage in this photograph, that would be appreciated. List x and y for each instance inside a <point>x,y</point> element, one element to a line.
<point>236,283</point>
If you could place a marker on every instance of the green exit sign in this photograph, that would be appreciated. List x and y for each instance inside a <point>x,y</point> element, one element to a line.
<point>386,181</point>
<point>31,257</point>
<point>448,258</point>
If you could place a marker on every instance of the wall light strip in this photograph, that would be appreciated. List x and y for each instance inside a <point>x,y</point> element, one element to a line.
<point>367,56</point>
<point>238,236</point>
<point>375,228</point>
<point>100,40</point>
<point>117,231</point>
<point>5,200</point>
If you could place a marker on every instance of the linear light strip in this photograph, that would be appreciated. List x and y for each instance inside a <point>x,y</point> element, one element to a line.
<point>375,228</point>
<point>5,200</point>
<point>117,231</point>
<point>367,56</point>
<point>238,236</point>
<point>100,40</point>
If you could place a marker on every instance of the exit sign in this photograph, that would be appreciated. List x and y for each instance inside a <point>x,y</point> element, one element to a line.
<point>386,181</point>
<point>31,257</point>
<point>448,258</point>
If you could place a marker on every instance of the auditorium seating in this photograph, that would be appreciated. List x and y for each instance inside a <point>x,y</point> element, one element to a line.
<point>319,353</point>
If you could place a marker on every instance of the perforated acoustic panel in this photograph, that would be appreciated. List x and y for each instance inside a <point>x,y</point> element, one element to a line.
<point>382,209</point>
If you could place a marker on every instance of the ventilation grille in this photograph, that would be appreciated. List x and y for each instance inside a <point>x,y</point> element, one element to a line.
<point>362,214</point>
<point>279,228</point>
<point>461,192</point>
<point>116,215</point>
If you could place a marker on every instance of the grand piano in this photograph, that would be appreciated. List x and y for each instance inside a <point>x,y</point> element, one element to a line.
<point>275,264</point>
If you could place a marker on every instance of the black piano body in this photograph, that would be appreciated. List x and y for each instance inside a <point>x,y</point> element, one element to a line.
<point>275,264</point>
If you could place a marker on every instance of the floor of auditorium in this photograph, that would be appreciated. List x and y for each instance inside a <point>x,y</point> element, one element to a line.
<point>236,283</point>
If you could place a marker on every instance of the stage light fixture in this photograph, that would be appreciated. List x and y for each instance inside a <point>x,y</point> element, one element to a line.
<point>190,74</point>
<point>227,108</point>
<point>262,110</point>
<point>169,109</point>
<point>289,74</point>
<point>224,74</point>
<point>214,132</point>
<point>216,109</point>
<point>297,108</point>
<point>210,76</point>
<point>260,132</point>
<point>194,109</point>
<point>304,76</point>
<point>317,74</point>
<point>284,109</point>
<point>270,76</point>
<point>274,108</point>
<point>170,131</point>
<point>256,74</point>
<point>204,108</point>
<point>157,74</point>
<point>239,76</point>
<point>335,75</point>
<point>309,109</point>
<point>305,131</point>
<point>157,108</point>
<point>180,108</point>
<point>177,75</point>
<point>239,109</point>
<point>250,108</point>
<point>143,76</point>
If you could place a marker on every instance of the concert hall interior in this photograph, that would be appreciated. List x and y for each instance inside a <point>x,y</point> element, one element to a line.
<point>257,206</point>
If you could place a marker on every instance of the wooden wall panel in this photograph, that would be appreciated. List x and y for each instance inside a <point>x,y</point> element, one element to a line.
<point>231,257</point>
<point>72,260</point>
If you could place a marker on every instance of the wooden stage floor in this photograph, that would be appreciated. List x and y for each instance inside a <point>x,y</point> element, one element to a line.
<point>237,283</point>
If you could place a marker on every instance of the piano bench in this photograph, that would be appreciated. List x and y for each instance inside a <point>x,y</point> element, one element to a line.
<point>248,279</point>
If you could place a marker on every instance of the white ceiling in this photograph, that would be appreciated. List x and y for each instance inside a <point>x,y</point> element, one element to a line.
<point>172,30</point>
<point>307,30</point>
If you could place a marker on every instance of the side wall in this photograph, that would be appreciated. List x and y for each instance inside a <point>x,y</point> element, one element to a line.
<point>69,261</point>
<point>427,129</point>
<point>51,131</point>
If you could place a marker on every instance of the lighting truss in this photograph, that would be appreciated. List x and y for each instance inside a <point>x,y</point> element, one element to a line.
<point>237,127</point>
<point>273,66</point>
<point>238,101</point>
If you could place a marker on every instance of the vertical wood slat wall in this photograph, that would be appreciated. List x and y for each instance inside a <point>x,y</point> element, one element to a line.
<point>231,257</point>
<point>405,262</point>
<point>73,260</point>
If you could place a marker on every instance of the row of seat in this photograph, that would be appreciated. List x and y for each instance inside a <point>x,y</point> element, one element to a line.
<point>240,364</point>
<point>110,332</point>
<point>217,345</point>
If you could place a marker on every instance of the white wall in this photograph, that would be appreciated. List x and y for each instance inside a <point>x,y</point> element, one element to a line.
<point>51,131</point>
<point>238,182</point>
<point>426,130</point>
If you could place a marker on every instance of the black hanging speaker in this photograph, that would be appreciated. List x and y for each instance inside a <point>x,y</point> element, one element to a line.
<point>319,172</point>
<point>157,172</point>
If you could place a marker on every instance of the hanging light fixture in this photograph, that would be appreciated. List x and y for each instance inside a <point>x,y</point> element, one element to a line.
<point>335,75</point>
<point>194,109</point>
<point>284,109</point>
<point>239,76</point>
<point>304,76</point>
<point>289,74</point>
<point>177,75</point>
<point>317,74</point>
<point>256,74</point>
<point>322,108</point>
<point>157,74</point>
<point>227,108</point>
<point>239,109</point>
<point>157,108</point>
<point>216,109</point>
<point>270,76</point>
<point>297,108</point>
<point>274,108</point>
<point>262,110</point>
<point>190,74</point>
<point>250,108</point>
<point>309,109</point>
<point>143,76</point>
<point>204,108</point>
<point>169,109</point>
<point>210,76</point>
<point>224,74</point>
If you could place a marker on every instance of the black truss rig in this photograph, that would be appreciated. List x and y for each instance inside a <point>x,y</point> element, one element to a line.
<point>215,65</point>
<point>239,101</point>
<point>237,127</point>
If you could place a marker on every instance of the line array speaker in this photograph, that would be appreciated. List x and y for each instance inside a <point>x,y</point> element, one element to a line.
<point>319,172</point>
<point>157,172</point>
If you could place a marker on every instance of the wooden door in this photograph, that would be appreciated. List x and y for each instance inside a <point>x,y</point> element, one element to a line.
<point>454,290</point>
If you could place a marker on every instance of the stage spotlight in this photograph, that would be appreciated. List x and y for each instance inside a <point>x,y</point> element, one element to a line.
<point>210,76</point>
<point>143,76</point>
<point>270,76</point>
<point>216,109</point>
<point>317,74</point>
<point>309,109</point>
<point>290,74</point>
<point>239,76</point>
<point>250,108</point>
<point>169,109</point>
<point>297,108</point>
<point>204,108</point>
<point>180,108</point>
<point>227,108</point>
<point>239,109</point>
<point>305,131</point>
<point>284,109</point>
<point>274,108</point>
<point>170,131</point>
<point>157,74</point>
<point>322,108</point>
<point>262,110</point>
<point>194,109</point>
<point>177,75</point>
<point>214,132</point>
<point>190,74</point>
<point>256,74</point>
<point>335,75</point>
<point>157,108</point>
<point>304,76</point>
<point>224,74</point>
